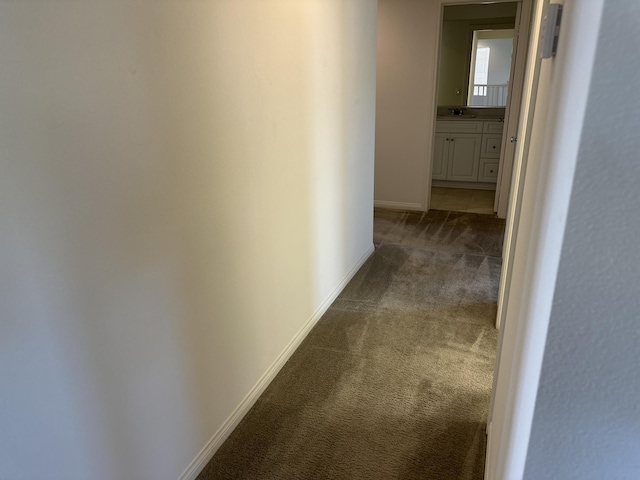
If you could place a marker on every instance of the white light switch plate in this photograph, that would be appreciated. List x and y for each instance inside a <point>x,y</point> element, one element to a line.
<point>551,30</point>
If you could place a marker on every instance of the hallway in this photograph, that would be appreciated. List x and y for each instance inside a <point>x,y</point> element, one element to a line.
<point>394,380</point>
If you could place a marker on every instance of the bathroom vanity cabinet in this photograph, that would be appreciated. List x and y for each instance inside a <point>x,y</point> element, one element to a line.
<point>467,150</point>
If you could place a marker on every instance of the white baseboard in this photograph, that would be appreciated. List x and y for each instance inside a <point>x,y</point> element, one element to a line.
<point>241,410</point>
<point>487,473</point>
<point>398,205</point>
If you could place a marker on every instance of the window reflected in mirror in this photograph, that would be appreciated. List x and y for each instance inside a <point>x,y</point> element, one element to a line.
<point>490,67</point>
<point>476,45</point>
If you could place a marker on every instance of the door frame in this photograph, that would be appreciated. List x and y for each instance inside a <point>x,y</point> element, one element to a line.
<point>520,163</point>
<point>511,168</point>
<point>512,118</point>
<point>543,206</point>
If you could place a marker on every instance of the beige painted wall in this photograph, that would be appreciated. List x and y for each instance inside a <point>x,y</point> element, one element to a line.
<point>183,185</point>
<point>404,101</point>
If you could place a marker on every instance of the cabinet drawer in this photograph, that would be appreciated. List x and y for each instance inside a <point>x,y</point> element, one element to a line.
<point>488,171</point>
<point>493,127</point>
<point>491,144</point>
<point>458,126</point>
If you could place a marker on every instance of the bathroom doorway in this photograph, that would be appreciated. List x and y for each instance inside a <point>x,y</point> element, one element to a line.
<point>477,50</point>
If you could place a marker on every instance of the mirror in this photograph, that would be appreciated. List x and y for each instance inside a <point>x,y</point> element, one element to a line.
<point>475,54</point>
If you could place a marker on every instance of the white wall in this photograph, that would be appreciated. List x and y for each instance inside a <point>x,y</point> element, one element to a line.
<point>586,423</point>
<point>183,185</point>
<point>407,32</point>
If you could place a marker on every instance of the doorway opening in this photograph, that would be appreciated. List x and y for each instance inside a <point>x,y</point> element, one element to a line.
<point>475,71</point>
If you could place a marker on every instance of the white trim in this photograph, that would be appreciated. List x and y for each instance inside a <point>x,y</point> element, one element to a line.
<point>513,116</point>
<point>218,438</point>
<point>488,452</point>
<point>432,109</point>
<point>517,165</point>
<point>527,110</point>
<point>399,205</point>
<point>546,200</point>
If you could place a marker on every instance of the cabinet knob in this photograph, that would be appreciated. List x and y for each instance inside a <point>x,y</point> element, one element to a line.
<point>494,147</point>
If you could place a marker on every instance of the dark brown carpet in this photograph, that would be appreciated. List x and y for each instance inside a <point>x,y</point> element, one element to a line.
<point>394,380</point>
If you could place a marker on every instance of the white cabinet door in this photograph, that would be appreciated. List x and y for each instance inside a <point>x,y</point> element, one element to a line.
<point>464,157</point>
<point>440,152</point>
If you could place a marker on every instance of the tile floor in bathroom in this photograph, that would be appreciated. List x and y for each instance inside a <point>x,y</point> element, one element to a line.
<point>462,200</point>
